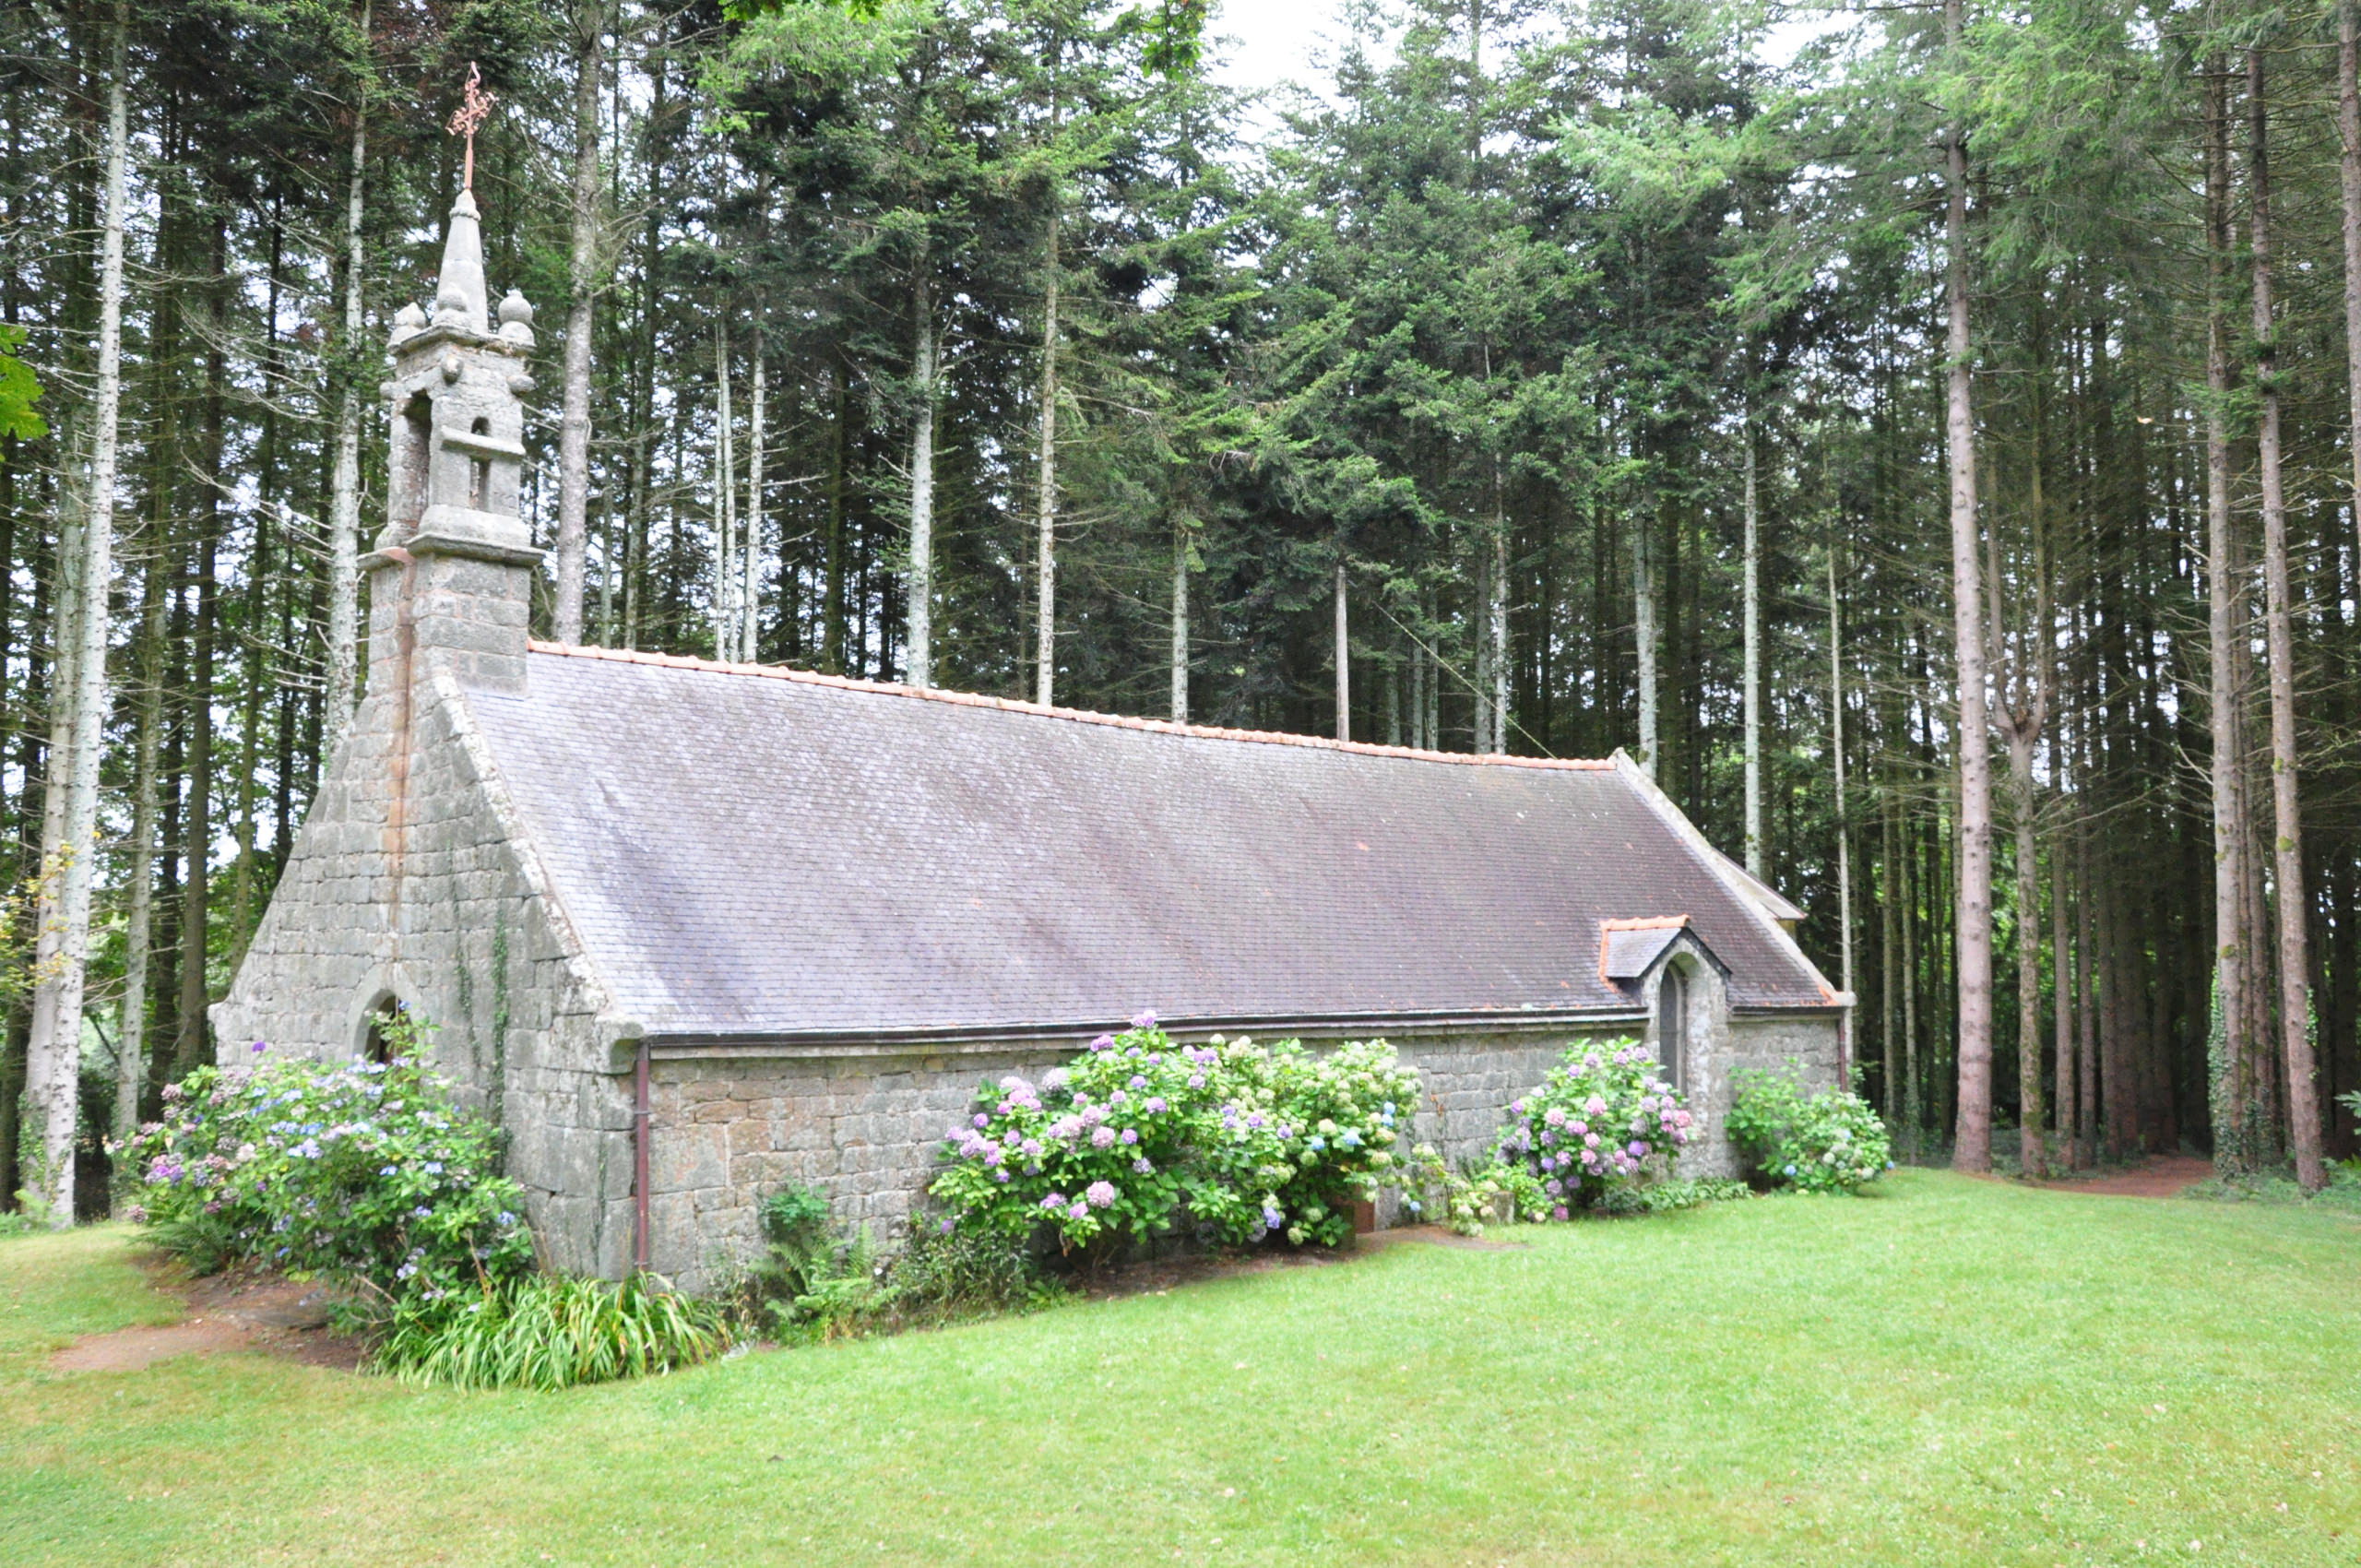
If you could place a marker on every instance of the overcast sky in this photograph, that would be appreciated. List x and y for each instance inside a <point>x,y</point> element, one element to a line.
<point>1275,39</point>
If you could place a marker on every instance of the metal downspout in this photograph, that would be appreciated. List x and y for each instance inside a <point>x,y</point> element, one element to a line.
<point>639,1138</point>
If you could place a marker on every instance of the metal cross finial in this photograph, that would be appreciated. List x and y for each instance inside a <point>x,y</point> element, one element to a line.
<point>475,105</point>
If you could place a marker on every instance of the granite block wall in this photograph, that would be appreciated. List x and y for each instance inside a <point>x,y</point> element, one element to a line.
<point>407,882</point>
<point>730,1131</point>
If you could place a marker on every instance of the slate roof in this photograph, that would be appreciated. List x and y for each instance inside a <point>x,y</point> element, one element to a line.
<point>756,852</point>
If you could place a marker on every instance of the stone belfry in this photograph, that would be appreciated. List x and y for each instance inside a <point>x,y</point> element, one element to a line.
<point>452,572</point>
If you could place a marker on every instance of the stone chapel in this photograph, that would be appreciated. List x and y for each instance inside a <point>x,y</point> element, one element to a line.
<point>689,929</point>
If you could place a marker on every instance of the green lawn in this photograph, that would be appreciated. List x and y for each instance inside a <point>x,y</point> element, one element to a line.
<point>1952,1372</point>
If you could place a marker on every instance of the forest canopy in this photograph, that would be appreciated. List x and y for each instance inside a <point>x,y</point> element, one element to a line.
<point>1922,435</point>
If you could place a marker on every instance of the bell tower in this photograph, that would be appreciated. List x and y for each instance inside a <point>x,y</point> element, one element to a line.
<point>452,571</point>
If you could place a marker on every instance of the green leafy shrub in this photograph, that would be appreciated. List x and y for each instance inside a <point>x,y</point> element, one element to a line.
<point>363,1171</point>
<point>1465,1200</point>
<point>547,1331</point>
<point>369,1172</point>
<point>1137,1132</point>
<point>1832,1141</point>
<point>1596,1132</point>
<point>815,1282</point>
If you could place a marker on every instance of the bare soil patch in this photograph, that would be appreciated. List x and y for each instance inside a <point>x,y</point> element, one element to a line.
<point>238,1310</point>
<point>2159,1176</point>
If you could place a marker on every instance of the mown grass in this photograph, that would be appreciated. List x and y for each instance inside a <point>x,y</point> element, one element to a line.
<point>1952,1372</point>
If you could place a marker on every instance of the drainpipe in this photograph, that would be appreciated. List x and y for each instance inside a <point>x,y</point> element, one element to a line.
<point>639,1129</point>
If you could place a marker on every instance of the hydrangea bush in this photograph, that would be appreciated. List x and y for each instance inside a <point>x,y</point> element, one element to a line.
<point>1832,1141</point>
<point>363,1171</point>
<point>1139,1133</point>
<point>1602,1124</point>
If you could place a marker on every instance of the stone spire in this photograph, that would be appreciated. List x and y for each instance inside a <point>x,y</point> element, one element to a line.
<point>453,569</point>
<point>459,298</point>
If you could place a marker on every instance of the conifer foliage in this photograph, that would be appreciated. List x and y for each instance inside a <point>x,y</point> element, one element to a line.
<point>1972,388</point>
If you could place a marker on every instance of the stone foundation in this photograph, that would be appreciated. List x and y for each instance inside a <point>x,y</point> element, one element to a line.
<point>866,1130</point>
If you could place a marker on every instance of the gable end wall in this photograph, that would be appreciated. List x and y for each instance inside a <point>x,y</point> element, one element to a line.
<point>448,913</point>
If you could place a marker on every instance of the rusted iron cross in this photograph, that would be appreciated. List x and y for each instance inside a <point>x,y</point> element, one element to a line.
<point>474,106</point>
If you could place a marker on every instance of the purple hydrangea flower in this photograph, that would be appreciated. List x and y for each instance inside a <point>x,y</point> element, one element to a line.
<point>1131,1135</point>
<point>1102,1137</point>
<point>1155,1106</point>
<point>1103,1042</point>
<point>1100,1194</point>
<point>1079,1211</point>
<point>983,1120</point>
<point>1055,1200</point>
<point>1144,1021</point>
<point>1637,1149</point>
<point>1144,1166</point>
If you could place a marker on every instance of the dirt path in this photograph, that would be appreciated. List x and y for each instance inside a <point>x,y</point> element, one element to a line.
<point>2159,1176</point>
<point>262,1312</point>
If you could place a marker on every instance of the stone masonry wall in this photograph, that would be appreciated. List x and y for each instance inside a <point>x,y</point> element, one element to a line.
<point>728,1131</point>
<point>406,882</point>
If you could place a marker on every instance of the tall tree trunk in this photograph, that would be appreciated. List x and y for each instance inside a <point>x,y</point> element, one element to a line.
<point>832,608</point>
<point>189,1039</point>
<point>2348,121</point>
<point>1494,693</point>
<point>1753,551</point>
<point>1644,585</point>
<point>1890,953</point>
<point>1972,1145</point>
<point>2062,1007</point>
<point>1180,623</point>
<point>1914,1105</point>
<point>60,1105</point>
<point>344,506</point>
<point>2030,1152</point>
<point>725,504</point>
<point>2293,909</point>
<point>41,1051</point>
<point>1844,821</point>
<point>920,656</point>
<point>2086,997</point>
<point>590,19</point>
<point>2232,1092</point>
<point>131,1033</point>
<point>1045,560</point>
<point>1344,661</point>
<point>750,598</point>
